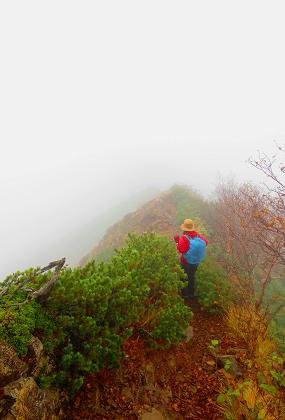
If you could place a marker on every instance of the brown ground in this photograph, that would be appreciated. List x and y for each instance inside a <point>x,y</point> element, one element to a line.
<point>182,382</point>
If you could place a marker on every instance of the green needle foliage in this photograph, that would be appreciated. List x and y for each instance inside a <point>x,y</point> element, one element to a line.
<point>213,288</point>
<point>93,309</point>
<point>17,324</point>
<point>97,307</point>
<point>19,321</point>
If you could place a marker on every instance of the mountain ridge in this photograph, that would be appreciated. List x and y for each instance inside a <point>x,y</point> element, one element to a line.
<point>162,214</point>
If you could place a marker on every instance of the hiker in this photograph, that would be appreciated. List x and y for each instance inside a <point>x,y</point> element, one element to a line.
<point>192,247</point>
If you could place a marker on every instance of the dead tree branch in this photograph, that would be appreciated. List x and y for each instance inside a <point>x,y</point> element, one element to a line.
<point>43,293</point>
<point>39,295</point>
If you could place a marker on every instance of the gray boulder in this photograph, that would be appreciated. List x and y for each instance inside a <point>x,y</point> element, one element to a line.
<point>230,364</point>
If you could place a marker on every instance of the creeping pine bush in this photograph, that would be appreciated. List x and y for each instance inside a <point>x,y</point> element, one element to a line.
<point>95,308</point>
<point>170,324</point>
<point>213,289</point>
<point>18,322</point>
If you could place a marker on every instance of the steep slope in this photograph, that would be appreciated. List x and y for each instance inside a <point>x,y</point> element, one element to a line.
<point>162,214</point>
<point>158,215</point>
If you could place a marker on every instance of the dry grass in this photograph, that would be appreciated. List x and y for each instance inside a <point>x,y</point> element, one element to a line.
<point>250,399</point>
<point>247,323</point>
<point>263,349</point>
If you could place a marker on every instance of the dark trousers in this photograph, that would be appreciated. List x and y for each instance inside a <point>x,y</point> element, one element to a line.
<point>190,270</point>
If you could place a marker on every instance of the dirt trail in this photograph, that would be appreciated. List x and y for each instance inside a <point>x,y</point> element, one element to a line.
<point>181,382</point>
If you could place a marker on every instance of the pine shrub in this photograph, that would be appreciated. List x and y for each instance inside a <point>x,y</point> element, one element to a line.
<point>214,290</point>
<point>97,307</point>
<point>19,321</point>
<point>94,309</point>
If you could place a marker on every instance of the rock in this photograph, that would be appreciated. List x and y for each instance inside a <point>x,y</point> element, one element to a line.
<point>35,355</point>
<point>5,405</point>
<point>35,348</point>
<point>11,367</point>
<point>188,333</point>
<point>153,415</point>
<point>230,364</point>
<point>32,403</point>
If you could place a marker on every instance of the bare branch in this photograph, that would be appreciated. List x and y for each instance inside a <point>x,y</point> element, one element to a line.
<point>43,292</point>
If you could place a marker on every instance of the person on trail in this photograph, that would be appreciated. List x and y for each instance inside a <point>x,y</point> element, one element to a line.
<point>192,246</point>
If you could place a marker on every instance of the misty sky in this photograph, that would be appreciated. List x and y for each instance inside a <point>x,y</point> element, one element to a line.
<point>101,99</point>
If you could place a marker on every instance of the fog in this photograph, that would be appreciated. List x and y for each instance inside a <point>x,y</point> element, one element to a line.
<point>101,101</point>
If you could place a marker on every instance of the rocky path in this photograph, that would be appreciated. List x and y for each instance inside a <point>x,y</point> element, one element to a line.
<point>179,383</point>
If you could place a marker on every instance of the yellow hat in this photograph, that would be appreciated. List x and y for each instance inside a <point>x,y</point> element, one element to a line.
<point>187,225</point>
